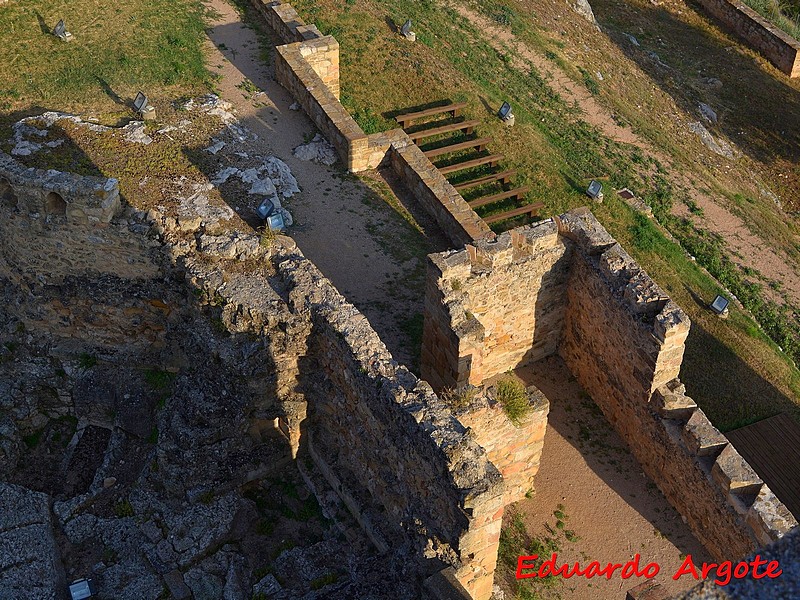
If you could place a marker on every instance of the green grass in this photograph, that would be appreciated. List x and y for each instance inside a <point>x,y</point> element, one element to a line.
<point>556,153</point>
<point>785,14</point>
<point>118,47</point>
<point>511,393</point>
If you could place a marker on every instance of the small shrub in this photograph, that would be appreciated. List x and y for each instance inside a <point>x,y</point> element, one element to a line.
<point>158,380</point>
<point>321,582</point>
<point>123,509</point>
<point>86,360</point>
<point>511,393</point>
<point>459,397</point>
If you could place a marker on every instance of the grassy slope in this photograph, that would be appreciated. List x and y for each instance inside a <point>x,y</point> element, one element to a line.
<point>119,47</point>
<point>556,152</point>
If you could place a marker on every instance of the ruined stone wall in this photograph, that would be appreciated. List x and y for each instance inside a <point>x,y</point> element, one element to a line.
<point>514,448</point>
<point>307,64</point>
<point>385,433</point>
<point>437,196</point>
<point>623,340</point>
<point>776,45</point>
<point>494,306</point>
<point>76,273</point>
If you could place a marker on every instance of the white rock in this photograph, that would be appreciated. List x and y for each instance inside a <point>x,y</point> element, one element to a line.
<point>135,132</point>
<point>318,150</point>
<point>263,187</point>
<point>281,175</point>
<point>214,148</point>
<point>294,106</point>
<point>707,112</point>
<point>224,175</point>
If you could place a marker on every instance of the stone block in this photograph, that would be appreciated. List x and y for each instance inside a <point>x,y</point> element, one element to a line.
<point>734,474</point>
<point>769,518</point>
<point>701,437</point>
<point>672,403</point>
<point>581,226</point>
<point>177,587</point>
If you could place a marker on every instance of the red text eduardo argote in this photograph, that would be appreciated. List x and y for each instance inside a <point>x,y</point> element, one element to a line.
<point>723,572</point>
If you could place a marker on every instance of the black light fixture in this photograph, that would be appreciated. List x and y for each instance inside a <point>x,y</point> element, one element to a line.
<point>406,28</point>
<point>720,305</point>
<point>140,102</point>
<point>60,31</point>
<point>595,190</point>
<point>505,112</point>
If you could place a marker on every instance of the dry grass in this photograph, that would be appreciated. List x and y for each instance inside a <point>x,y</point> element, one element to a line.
<point>118,48</point>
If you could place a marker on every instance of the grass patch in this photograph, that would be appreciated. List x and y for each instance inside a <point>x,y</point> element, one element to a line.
<point>459,398</point>
<point>118,48</point>
<point>86,360</point>
<point>123,509</point>
<point>511,393</point>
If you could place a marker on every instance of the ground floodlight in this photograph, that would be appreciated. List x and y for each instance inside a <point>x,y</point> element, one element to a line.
<point>505,112</point>
<point>60,29</point>
<point>406,28</point>
<point>720,305</point>
<point>140,102</point>
<point>595,190</point>
<point>275,222</point>
<point>265,209</point>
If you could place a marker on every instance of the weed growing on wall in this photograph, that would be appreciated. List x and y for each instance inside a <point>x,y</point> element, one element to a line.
<point>511,393</point>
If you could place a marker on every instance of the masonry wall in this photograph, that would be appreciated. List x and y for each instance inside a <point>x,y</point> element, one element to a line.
<point>777,46</point>
<point>621,337</point>
<point>437,196</point>
<point>495,306</point>
<point>70,269</point>
<point>514,448</point>
<point>624,340</point>
<point>389,439</point>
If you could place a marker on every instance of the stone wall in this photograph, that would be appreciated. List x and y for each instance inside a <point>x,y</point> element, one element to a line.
<point>566,286</point>
<point>514,448</point>
<point>776,45</point>
<point>437,196</point>
<point>53,194</point>
<point>384,433</point>
<point>307,65</point>
<point>624,340</point>
<point>494,306</point>
<point>72,272</point>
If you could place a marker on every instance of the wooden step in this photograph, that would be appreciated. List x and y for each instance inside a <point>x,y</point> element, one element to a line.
<point>454,108</point>
<point>514,212</point>
<point>467,126</point>
<point>503,177</point>
<point>517,194</point>
<point>479,143</point>
<point>490,160</point>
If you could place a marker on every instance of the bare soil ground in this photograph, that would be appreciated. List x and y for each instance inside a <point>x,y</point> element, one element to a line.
<point>606,504</point>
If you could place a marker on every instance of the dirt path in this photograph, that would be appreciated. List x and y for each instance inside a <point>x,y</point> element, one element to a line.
<point>593,112</point>
<point>753,251</point>
<point>339,223</point>
<point>750,249</point>
<point>588,474</point>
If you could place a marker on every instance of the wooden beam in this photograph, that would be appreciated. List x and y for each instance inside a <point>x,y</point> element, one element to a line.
<point>479,143</point>
<point>490,160</point>
<point>454,108</point>
<point>467,126</point>
<point>503,177</point>
<point>517,194</point>
<point>522,210</point>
